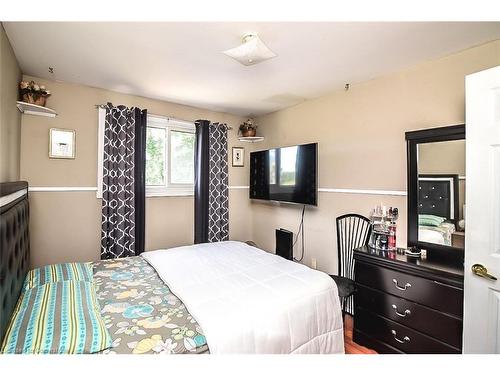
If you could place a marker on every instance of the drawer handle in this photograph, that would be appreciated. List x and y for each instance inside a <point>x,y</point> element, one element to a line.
<point>403,341</point>
<point>407,285</point>
<point>407,312</point>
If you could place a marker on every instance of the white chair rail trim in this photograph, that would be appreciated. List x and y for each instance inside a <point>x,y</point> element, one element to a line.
<point>363,191</point>
<point>235,187</point>
<point>62,188</point>
<point>348,191</point>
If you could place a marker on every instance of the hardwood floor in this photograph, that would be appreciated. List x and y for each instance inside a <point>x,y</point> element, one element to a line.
<point>350,346</point>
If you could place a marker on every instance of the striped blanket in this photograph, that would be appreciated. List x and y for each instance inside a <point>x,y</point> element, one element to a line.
<point>60,317</point>
<point>58,272</point>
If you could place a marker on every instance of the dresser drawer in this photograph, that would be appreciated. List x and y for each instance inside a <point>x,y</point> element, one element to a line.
<point>380,347</point>
<point>427,292</point>
<point>400,337</point>
<point>443,327</point>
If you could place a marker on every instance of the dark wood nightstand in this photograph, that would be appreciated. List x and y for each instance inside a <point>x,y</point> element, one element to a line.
<point>458,239</point>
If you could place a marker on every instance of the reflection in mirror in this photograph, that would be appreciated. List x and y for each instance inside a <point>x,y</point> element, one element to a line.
<point>441,193</point>
<point>272,167</point>
<point>288,165</point>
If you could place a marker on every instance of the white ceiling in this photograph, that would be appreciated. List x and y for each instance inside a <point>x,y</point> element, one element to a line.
<point>183,63</point>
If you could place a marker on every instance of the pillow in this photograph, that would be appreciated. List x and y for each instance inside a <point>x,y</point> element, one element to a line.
<point>430,220</point>
<point>58,272</point>
<point>62,317</point>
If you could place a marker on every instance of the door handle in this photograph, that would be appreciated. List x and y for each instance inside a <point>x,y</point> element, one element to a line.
<point>481,271</point>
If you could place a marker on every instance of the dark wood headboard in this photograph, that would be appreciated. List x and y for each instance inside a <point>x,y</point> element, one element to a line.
<point>14,247</point>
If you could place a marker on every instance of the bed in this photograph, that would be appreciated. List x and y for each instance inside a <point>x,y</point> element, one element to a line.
<point>437,207</point>
<point>216,298</point>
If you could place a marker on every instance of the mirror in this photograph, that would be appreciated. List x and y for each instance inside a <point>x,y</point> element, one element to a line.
<point>436,191</point>
<point>441,192</point>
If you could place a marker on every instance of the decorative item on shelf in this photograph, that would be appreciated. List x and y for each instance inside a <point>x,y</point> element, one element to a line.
<point>33,93</point>
<point>248,128</point>
<point>461,224</point>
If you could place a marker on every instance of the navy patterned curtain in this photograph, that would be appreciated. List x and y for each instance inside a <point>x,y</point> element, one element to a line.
<point>123,189</point>
<point>211,208</point>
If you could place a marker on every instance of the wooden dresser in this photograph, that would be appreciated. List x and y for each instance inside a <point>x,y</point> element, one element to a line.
<point>407,305</point>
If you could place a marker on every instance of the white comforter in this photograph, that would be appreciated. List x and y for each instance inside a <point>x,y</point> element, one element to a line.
<point>249,301</point>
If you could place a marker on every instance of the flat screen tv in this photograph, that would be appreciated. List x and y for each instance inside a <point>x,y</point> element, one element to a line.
<point>287,174</point>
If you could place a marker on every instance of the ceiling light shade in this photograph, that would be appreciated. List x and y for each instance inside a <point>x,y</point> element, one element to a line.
<point>252,51</point>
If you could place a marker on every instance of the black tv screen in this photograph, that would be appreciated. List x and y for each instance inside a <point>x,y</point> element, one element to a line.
<point>287,174</point>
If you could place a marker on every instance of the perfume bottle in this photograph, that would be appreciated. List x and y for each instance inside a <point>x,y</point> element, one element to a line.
<point>392,236</point>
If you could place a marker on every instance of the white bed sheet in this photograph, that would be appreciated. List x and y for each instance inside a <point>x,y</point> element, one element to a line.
<point>249,301</point>
<point>428,235</point>
<point>440,235</point>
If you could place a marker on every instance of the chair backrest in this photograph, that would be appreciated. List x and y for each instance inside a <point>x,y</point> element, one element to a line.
<point>353,231</point>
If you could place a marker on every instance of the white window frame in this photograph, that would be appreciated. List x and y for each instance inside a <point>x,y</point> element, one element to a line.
<point>169,124</point>
<point>100,149</point>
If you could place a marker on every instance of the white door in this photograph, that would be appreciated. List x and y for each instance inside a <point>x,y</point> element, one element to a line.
<point>482,221</point>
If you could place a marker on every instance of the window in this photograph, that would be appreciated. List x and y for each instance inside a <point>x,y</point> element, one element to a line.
<point>155,156</point>
<point>169,156</point>
<point>181,157</point>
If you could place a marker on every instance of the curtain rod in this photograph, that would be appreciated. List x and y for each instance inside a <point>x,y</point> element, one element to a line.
<point>167,117</point>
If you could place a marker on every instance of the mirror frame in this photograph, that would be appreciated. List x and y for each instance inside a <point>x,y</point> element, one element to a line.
<point>413,139</point>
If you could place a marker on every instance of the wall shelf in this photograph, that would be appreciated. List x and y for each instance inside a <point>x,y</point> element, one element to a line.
<point>251,139</point>
<point>37,110</point>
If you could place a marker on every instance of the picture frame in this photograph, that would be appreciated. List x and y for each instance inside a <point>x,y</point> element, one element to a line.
<point>62,143</point>
<point>238,156</point>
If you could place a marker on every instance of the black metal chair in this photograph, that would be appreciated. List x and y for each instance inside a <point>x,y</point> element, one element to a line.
<point>353,231</point>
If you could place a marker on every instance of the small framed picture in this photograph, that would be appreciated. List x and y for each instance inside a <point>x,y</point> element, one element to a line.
<point>61,144</point>
<point>238,156</point>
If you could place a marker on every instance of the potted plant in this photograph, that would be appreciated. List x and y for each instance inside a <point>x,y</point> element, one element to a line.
<point>248,128</point>
<point>33,93</point>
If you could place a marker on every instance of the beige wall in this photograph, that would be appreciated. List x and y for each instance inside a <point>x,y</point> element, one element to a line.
<point>10,117</point>
<point>65,226</point>
<point>361,143</point>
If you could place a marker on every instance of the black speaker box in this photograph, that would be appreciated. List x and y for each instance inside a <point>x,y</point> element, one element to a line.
<point>284,243</point>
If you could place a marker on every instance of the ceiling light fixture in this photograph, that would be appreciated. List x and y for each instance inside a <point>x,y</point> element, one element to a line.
<point>252,51</point>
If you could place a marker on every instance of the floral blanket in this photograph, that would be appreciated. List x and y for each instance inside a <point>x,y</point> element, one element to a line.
<point>140,312</point>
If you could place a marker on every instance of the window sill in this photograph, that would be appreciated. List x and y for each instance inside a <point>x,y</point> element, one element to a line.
<point>162,193</point>
<point>170,193</point>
